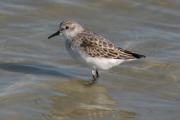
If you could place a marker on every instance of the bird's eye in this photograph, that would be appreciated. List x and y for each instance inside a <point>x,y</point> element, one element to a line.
<point>67,27</point>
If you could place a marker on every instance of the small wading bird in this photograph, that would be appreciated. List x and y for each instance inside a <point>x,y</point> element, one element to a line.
<point>92,49</point>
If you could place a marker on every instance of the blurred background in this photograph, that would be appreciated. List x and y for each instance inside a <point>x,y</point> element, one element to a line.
<point>40,81</point>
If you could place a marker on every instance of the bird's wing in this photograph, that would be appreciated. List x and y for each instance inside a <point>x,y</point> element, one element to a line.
<point>97,46</point>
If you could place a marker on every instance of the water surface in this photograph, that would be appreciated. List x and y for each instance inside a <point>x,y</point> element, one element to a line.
<point>40,81</point>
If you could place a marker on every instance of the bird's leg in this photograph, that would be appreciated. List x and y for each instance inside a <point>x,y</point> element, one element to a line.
<point>95,75</point>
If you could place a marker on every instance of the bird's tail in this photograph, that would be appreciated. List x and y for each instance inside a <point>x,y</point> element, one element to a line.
<point>138,56</point>
<point>135,55</point>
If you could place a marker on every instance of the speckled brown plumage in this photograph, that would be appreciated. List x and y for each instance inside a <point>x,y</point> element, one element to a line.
<point>92,49</point>
<point>97,46</point>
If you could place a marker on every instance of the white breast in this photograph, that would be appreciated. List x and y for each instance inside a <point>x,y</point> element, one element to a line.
<point>75,52</point>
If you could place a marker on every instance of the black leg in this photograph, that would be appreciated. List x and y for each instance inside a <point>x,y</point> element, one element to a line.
<point>95,75</point>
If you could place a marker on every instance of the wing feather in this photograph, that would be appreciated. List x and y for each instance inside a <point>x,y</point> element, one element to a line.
<point>97,46</point>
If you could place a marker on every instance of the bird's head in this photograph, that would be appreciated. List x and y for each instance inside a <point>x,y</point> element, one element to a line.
<point>68,28</point>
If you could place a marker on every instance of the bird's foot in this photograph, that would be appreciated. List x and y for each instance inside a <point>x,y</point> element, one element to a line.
<point>90,83</point>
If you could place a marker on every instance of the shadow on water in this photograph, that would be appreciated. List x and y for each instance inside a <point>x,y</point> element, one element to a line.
<point>38,69</point>
<point>83,102</point>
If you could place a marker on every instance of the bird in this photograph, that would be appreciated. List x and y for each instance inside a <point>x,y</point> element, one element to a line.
<point>92,49</point>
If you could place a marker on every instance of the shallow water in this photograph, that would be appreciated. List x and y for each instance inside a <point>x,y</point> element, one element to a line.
<point>39,80</point>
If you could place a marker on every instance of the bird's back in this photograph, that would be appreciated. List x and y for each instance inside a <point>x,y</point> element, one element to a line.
<point>95,45</point>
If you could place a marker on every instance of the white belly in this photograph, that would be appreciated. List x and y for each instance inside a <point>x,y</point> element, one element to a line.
<point>103,63</point>
<point>99,63</point>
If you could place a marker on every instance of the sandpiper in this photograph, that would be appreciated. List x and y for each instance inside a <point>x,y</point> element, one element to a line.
<point>92,49</point>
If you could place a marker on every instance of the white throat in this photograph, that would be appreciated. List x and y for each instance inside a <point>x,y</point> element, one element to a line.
<point>72,33</point>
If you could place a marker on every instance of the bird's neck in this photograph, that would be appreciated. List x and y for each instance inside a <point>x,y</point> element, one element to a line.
<point>74,33</point>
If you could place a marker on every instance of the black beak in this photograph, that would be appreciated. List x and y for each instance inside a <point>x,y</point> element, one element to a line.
<point>54,34</point>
